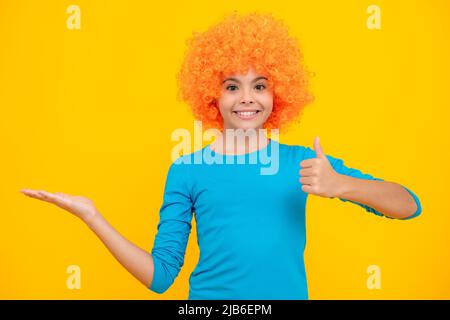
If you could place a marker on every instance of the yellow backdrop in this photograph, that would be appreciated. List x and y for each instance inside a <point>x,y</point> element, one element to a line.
<point>90,111</point>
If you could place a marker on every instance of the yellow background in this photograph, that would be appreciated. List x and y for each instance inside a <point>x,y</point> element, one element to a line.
<point>90,112</point>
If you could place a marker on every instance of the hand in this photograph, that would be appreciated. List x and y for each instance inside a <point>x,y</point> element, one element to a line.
<point>318,176</point>
<point>80,206</point>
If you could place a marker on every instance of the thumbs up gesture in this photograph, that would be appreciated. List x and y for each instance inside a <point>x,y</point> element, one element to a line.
<point>317,176</point>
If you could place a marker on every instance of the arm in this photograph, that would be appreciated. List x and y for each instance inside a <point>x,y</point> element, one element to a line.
<point>388,198</point>
<point>137,261</point>
<point>174,227</point>
<point>158,270</point>
<point>327,176</point>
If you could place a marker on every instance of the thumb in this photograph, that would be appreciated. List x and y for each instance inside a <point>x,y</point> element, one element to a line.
<point>318,148</point>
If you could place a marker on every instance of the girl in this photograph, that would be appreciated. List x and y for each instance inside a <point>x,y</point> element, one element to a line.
<point>243,75</point>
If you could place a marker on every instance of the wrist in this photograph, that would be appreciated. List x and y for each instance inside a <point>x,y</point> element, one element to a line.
<point>92,219</point>
<point>343,186</point>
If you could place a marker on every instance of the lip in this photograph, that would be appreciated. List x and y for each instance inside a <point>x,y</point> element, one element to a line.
<point>247,110</point>
<point>235,112</point>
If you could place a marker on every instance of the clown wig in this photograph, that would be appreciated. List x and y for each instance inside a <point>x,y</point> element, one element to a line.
<point>232,46</point>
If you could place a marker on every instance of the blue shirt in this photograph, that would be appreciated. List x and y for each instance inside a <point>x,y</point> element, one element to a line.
<point>250,225</point>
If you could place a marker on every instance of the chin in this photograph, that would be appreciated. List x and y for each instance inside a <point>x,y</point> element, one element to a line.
<point>247,126</point>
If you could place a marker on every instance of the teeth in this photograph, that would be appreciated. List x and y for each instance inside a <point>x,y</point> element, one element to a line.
<point>246,113</point>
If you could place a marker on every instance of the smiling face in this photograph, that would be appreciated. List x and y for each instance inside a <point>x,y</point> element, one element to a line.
<point>245,101</point>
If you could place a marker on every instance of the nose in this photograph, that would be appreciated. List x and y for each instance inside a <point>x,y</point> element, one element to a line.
<point>246,98</point>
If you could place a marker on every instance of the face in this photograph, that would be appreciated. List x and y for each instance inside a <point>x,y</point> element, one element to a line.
<point>245,101</point>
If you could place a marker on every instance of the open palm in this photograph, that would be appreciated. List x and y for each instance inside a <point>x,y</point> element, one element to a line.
<point>81,207</point>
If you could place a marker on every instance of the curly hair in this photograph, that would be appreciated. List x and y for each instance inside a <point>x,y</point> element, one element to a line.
<point>233,46</point>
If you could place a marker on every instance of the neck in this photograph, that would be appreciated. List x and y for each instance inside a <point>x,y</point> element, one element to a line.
<point>239,142</point>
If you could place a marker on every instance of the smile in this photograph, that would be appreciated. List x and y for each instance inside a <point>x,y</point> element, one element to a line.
<point>247,115</point>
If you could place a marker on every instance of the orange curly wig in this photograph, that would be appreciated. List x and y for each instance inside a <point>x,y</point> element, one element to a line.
<point>232,46</point>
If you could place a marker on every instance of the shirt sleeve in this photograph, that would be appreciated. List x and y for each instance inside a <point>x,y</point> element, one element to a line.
<point>339,166</point>
<point>173,229</point>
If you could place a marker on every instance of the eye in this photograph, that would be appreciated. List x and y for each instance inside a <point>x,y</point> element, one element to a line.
<point>260,85</point>
<point>231,86</point>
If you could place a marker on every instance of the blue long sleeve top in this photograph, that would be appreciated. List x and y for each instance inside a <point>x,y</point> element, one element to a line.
<point>250,225</point>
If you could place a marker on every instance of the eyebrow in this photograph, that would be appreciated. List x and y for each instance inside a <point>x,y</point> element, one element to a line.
<point>234,79</point>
